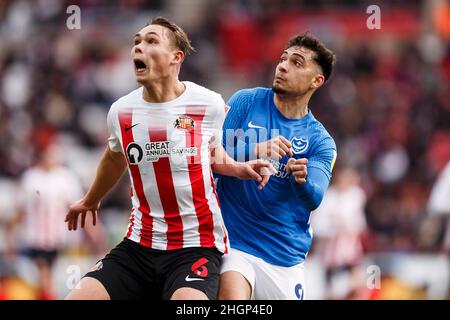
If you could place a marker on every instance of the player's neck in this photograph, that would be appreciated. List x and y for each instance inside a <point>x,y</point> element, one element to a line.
<point>292,107</point>
<point>158,92</point>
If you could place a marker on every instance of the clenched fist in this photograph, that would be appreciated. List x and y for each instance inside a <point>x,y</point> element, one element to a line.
<point>297,167</point>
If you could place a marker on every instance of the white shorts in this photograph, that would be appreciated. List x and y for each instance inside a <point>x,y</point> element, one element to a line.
<point>268,281</point>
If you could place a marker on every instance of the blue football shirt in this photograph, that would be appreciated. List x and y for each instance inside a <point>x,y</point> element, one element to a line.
<point>273,223</point>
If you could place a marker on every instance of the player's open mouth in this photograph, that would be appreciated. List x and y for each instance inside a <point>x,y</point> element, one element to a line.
<point>139,66</point>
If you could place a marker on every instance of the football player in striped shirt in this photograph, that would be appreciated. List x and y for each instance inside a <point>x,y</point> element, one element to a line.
<point>168,134</point>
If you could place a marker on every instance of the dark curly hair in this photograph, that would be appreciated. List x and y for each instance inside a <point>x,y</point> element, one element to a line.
<point>324,57</point>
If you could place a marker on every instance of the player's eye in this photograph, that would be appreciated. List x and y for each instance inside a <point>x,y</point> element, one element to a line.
<point>282,59</point>
<point>136,42</point>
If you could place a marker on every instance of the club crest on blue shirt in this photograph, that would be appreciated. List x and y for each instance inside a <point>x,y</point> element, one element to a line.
<point>299,145</point>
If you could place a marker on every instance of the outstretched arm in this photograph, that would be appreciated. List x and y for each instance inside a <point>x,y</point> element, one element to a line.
<point>111,167</point>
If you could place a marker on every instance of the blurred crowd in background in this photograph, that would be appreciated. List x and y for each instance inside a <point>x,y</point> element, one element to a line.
<point>387,107</point>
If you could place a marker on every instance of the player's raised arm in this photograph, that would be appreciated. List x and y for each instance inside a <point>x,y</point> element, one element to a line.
<point>110,169</point>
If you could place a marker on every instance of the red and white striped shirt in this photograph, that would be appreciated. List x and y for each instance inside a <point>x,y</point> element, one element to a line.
<point>45,199</point>
<point>167,145</point>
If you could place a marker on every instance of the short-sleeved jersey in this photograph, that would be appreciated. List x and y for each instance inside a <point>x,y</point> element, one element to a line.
<point>167,147</point>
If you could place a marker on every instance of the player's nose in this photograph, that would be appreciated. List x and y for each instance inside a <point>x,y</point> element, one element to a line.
<point>137,48</point>
<point>282,67</point>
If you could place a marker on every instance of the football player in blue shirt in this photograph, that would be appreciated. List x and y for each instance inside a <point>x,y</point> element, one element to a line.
<point>269,229</point>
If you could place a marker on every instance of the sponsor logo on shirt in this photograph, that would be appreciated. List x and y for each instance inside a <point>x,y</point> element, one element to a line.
<point>155,150</point>
<point>280,167</point>
<point>134,153</point>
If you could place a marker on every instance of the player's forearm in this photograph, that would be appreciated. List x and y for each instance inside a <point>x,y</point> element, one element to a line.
<point>223,164</point>
<point>110,169</point>
<point>313,190</point>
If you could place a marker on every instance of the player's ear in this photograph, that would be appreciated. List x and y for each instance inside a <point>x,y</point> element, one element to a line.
<point>317,81</point>
<point>178,57</point>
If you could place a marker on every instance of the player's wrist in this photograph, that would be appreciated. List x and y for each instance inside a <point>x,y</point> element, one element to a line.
<point>90,202</point>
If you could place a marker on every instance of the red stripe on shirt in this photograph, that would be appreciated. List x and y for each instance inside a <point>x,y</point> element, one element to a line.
<point>202,209</point>
<point>125,121</point>
<point>166,189</point>
<point>130,228</point>
<point>213,186</point>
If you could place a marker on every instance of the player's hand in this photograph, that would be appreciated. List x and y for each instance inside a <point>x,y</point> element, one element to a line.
<point>275,148</point>
<point>259,170</point>
<point>297,167</point>
<point>80,207</point>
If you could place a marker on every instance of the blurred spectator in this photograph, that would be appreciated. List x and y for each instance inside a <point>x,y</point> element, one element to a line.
<point>439,206</point>
<point>7,206</point>
<point>46,191</point>
<point>338,225</point>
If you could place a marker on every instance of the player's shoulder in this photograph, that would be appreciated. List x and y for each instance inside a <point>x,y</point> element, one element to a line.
<point>126,100</point>
<point>251,93</point>
<point>246,99</point>
<point>320,134</point>
<point>196,91</point>
<point>65,172</point>
<point>31,173</point>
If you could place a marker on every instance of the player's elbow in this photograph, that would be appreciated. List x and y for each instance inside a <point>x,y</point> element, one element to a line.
<point>315,202</point>
<point>310,193</point>
<point>315,198</point>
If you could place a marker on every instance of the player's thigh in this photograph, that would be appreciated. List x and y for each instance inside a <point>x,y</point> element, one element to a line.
<point>234,286</point>
<point>186,293</point>
<point>279,283</point>
<point>88,289</point>
<point>237,277</point>
<point>193,274</point>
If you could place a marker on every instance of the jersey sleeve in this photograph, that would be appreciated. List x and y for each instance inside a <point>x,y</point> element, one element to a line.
<point>324,156</point>
<point>239,104</point>
<point>320,166</point>
<point>113,131</point>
